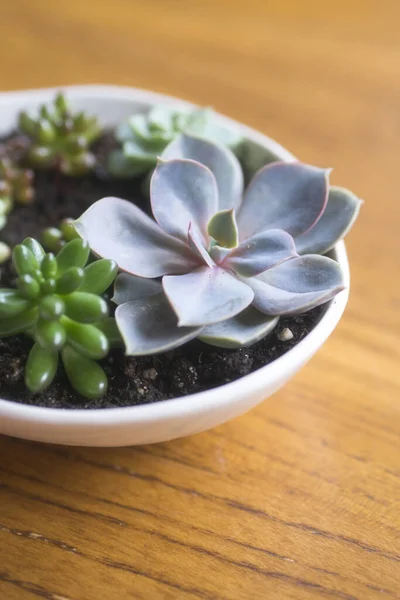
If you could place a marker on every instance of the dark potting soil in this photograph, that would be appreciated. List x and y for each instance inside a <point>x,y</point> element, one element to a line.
<point>191,368</point>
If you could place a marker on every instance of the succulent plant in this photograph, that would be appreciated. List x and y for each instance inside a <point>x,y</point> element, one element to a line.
<point>145,136</point>
<point>5,252</point>
<point>16,185</point>
<point>230,264</point>
<point>60,139</point>
<point>57,302</point>
<point>54,238</point>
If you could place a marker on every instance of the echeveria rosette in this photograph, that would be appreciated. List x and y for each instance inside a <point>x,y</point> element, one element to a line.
<point>228,262</point>
<point>143,137</point>
<point>57,302</point>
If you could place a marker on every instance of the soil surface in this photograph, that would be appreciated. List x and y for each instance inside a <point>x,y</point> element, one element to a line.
<point>191,368</point>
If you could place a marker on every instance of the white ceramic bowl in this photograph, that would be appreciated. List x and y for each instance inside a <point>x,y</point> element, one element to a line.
<point>178,417</point>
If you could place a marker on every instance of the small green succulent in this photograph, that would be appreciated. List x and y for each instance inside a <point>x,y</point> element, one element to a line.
<point>54,238</point>
<point>144,137</point>
<point>57,302</point>
<point>5,252</point>
<point>60,139</point>
<point>16,185</point>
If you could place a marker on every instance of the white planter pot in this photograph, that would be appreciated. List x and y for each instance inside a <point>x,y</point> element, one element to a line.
<point>172,418</point>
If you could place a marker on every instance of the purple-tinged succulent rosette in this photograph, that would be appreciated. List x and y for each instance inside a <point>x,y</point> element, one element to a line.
<point>219,262</point>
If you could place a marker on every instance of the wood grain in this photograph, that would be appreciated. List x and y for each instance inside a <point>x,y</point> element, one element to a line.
<point>301,497</point>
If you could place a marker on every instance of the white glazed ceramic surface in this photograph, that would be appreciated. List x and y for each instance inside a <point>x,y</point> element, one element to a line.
<point>168,419</point>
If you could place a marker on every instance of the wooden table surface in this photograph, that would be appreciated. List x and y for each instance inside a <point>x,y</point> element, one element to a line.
<point>300,498</point>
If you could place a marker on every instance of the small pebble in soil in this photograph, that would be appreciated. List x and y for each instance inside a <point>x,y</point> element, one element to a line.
<point>150,374</point>
<point>284,335</point>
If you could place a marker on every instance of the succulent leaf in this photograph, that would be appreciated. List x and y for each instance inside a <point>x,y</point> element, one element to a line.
<point>130,287</point>
<point>98,276</point>
<point>338,217</point>
<point>73,254</point>
<point>54,238</point>
<point>85,307</point>
<point>297,285</point>
<point>123,166</point>
<point>28,287</point>
<point>255,155</point>
<point>245,329</point>
<point>84,374</point>
<point>40,369</point>
<point>163,118</point>
<point>18,323</point>
<point>223,228</point>
<point>51,308</point>
<point>11,303</point>
<point>49,266</point>
<point>260,252</point>
<point>70,280</point>
<point>288,196</point>
<point>183,192</point>
<point>35,248</point>
<point>118,230</point>
<point>24,260</point>
<point>220,160</point>
<point>206,295</point>
<point>86,339</point>
<point>50,335</point>
<point>196,122</point>
<point>152,138</point>
<point>149,326</point>
<point>108,326</point>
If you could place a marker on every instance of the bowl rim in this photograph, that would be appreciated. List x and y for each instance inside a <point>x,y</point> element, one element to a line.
<point>200,402</point>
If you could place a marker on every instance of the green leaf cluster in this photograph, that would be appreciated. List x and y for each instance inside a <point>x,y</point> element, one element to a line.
<point>54,238</point>
<point>60,139</point>
<point>57,301</point>
<point>144,137</point>
<point>16,185</point>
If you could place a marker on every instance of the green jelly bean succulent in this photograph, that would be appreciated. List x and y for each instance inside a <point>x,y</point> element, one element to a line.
<point>57,302</point>
<point>144,137</point>
<point>16,185</point>
<point>60,139</point>
<point>54,238</point>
